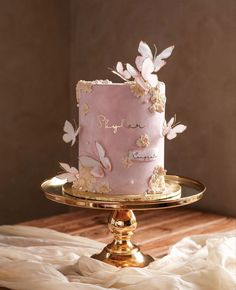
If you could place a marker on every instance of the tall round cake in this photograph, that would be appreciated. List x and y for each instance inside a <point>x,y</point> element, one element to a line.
<point>120,138</point>
<point>121,131</point>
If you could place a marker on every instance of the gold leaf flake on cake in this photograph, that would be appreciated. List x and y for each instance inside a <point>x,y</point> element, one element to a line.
<point>158,101</point>
<point>127,162</point>
<point>143,141</point>
<point>103,187</point>
<point>83,86</point>
<point>137,89</point>
<point>85,109</point>
<point>85,179</point>
<point>156,182</point>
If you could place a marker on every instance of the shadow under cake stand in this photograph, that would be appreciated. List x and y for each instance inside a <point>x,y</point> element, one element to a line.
<point>121,252</point>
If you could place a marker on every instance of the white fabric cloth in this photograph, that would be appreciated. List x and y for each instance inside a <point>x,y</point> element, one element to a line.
<point>42,259</point>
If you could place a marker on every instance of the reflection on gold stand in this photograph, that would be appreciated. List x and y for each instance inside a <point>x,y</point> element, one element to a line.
<point>122,222</point>
<point>122,252</point>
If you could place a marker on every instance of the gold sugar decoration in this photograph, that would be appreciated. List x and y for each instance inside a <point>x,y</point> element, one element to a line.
<point>143,141</point>
<point>103,187</point>
<point>85,109</point>
<point>156,182</point>
<point>158,101</point>
<point>137,90</point>
<point>127,162</point>
<point>83,86</point>
<point>85,180</point>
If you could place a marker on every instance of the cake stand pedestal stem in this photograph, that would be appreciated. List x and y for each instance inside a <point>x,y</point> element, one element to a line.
<point>122,252</point>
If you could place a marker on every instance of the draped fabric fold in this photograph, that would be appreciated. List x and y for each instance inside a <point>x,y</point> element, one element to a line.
<point>42,259</point>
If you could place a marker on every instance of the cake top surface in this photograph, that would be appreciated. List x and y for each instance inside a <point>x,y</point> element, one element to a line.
<point>110,83</point>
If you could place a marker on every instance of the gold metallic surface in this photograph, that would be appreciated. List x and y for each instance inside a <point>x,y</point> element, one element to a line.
<point>122,252</point>
<point>191,191</point>
<point>122,222</point>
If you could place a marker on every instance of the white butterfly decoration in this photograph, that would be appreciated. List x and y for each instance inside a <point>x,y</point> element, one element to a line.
<point>71,173</point>
<point>158,61</point>
<point>124,74</point>
<point>147,65</point>
<point>171,129</point>
<point>97,166</point>
<point>70,133</point>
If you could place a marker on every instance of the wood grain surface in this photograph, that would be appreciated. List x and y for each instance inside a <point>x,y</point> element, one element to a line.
<point>157,230</point>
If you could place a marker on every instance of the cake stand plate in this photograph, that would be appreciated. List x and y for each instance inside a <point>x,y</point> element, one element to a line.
<point>121,252</point>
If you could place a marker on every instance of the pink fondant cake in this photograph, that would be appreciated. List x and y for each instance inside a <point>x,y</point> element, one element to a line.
<point>112,116</point>
<point>122,130</point>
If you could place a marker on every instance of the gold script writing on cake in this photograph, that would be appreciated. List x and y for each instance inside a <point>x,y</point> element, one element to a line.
<point>103,122</point>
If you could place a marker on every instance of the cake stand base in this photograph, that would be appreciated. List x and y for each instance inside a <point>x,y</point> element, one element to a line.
<point>122,222</point>
<point>122,252</point>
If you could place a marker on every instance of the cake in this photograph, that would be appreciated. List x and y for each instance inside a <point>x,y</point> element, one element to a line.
<point>122,132</point>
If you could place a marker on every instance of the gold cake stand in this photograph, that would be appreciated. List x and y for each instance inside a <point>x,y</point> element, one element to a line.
<point>121,252</point>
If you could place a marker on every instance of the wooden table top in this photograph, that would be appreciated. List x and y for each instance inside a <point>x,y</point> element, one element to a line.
<point>157,230</point>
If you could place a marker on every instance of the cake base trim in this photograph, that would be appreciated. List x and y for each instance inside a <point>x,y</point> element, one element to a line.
<point>172,191</point>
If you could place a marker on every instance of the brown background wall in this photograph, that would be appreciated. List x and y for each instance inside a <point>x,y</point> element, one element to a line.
<point>34,48</point>
<point>47,45</point>
<point>199,76</point>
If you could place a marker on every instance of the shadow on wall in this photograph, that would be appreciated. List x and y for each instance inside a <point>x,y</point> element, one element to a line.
<point>33,103</point>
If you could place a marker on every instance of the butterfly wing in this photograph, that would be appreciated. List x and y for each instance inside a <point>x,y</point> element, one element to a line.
<point>166,52</point>
<point>180,128</point>
<point>119,67</point>
<point>167,126</point>
<point>173,131</point>
<point>158,64</point>
<point>121,71</point>
<point>171,134</point>
<point>96,168</point>
<point>68,176</point>
<point>139,62</point>
<point>171,122</point>
<point>65,166</point>
<point>164,130</point>
<point>97,171</point>
<point>152,80</point>
<point>87,161</point>
<point>70,133</point>
<point>133,72</point>
<point>62,176</point>
<point>73,170</point>
<point>145,50</point>
<point>147,70</point>
<point>140,81</point>
<point>66,138</point>
<point>119,75</point>
<point>104,160</point>
<point>159,59</point>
